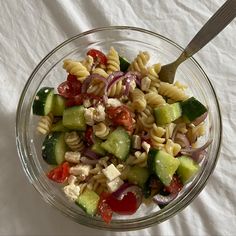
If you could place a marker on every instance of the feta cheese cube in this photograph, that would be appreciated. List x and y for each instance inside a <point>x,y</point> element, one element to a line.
<point>87,103</point>
<point>111,172</point>
<point>99,114</point>
<point>89,115</point>
<point>72,191</point>
<point>114,184</point>
<point>81,170</point>
<point>73,157</point>
<point>72,179</point>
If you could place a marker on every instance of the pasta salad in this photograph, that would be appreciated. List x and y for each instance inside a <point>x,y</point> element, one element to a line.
<point>116,136</point>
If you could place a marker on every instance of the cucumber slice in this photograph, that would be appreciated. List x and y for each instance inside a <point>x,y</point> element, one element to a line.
<point>43,101</point>
<point>59,127</point>
<point>192,109</point>
<point>54,148</point>
<point>73,118</point>
<point>138,175</point>
<point>58,105</point>
<point>167,113</point>
<point>88,201</point>
<point>118,143</point>
<point>124,64</point>
<point>163,165</point>
<point>187,168</point>
<point>96,147</point>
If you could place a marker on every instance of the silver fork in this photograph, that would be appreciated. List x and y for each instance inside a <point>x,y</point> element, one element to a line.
<point>214,25</point>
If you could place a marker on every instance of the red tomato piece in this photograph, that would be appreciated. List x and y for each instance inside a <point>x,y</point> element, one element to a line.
<point>126,206</point>
<point>104,209</point>
<point>175,185</point>
<point>60,173</point>
<point>75,101</point>
<point>98,56</point>
<point>121,116</point>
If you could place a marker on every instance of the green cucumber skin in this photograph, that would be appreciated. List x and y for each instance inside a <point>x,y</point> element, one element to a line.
<point>73,118</point>
<point>58,127</point>
<point>54,148</point>
<point>138,175</point>
<point>114,145</point>
<point>124,64</point>
<point>43,96</point>
<point>88,201</point>
<point>97,148</point>
<point>192,109</point>
<point>58,105</point>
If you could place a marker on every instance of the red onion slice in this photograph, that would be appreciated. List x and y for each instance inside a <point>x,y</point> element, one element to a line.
<point>126,188</point>
<point>197,153</point>
<point>114,78</point>
<point>88,80</point>
<point>182,140</point>
<point>164,200</point>
<point>137,75</point>
<point>86,160</point>
<point>89,153</point>
<point>200,119</point>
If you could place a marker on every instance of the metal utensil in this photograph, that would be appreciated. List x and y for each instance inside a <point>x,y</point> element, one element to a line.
<point>214,25</point>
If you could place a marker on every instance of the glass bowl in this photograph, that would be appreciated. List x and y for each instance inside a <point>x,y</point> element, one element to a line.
<point>128,41</point>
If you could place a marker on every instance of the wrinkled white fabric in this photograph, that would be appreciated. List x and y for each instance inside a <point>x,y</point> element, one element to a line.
<point>30,29</point>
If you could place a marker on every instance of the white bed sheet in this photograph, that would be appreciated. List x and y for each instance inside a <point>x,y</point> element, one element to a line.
<point>30,29</point>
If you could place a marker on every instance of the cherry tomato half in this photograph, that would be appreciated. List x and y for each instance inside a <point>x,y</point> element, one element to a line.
<point>98,56</point>
<point>60,173</point>
<point>121,116</point>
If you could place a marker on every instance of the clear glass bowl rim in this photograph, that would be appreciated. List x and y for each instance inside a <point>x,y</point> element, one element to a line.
<point>143,222</point>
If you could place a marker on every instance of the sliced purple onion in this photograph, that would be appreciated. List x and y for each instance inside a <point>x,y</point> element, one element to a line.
<point>164,200</point>
<point>197,153</point>
<point>88,80</point>
<point>127,188</point>
<point>182,140</point>
<point>200,119</point>
<point>86,160</point>
<point>114,78</point>
<point>137,75</point>
<point>91,154</point>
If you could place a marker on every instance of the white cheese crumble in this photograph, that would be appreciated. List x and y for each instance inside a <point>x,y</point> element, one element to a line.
<point>114,184</point>
<point>114,102</point>
<point>72,191</point>
<point>81,170</point>
<point>111,172</point>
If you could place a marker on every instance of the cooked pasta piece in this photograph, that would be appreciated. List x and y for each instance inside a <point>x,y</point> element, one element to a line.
<point>97,169</point>
<point>88,62</point>
<point>153,76</point>
<point>76,68</point>
<point>138,159</point>
<point>101,130</point>
<point>74,142</point>
<point>171,147</point>
<point>113,61</point>
<point>145,84</point>
<point>138,100</point>
<point>45,124</point>
<point>154,99</point>
<point>169,130</point>
<point>195,132</point>
<point>180,85</point>
<point>116,90</point>
<point>172,91</point>
<point>156,135</point>
<point>146,118</point>
<point>139,63</point>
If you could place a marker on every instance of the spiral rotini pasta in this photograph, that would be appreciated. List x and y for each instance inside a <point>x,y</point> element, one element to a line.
<point>171,91</point>
<point>76,68</point>
<point>74,142</point>
<point>156,135</point>
<point>154,99</point>
<point>139,63</point>
<point>153,72</point>
<point>88,62</point>
<point>140,159</point>
<point>116,90</point>
<point>113,62</point>
<point>171,147</point>
<point>101,130</point>
<point>45,124</point>
<point>196,131</point>
<point>146,118</point>
<point>138,100</point>
<point>169,130</point>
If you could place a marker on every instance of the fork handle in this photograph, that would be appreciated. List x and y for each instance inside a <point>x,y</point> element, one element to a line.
<point>214,25</point>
